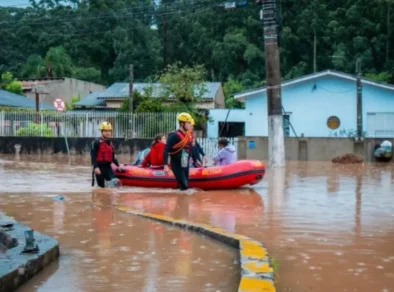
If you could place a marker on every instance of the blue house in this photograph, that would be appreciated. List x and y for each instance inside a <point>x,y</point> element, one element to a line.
<point>114,96</point>
<point>323,104</point>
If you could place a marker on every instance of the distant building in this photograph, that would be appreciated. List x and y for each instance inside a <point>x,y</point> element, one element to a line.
<point>53,88</point>
<point>12,100</point>
<point>323,104</point>
<point>114,96</point>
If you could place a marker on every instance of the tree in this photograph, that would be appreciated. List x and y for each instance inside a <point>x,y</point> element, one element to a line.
<point>89,74</point>
<point>74,100</point>
<point>57,63</point>
<point>230,87</point>
<point>10,84</point>
<point>35,67</point>
<point>184,84</point>
<point>102,37</point>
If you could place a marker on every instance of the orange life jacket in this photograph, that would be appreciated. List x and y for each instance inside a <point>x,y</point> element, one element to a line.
<point>185,143</point>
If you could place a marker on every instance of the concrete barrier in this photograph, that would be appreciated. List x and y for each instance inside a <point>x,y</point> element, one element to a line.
<point>257,274</point>
<point>77,146</point>
<point>16,268</point>
<point>310,149</point>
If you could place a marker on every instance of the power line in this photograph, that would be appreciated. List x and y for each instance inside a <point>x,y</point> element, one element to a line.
<point>77,34</point>
<point>130,10</point>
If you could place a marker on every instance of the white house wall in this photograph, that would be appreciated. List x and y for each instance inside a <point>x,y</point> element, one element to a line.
<point>310,104</point>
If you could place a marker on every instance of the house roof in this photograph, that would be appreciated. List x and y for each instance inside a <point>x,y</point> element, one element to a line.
<point>120,90</point>
<point>91,100</point>
<point>10,99</point>
<point>247,93</point>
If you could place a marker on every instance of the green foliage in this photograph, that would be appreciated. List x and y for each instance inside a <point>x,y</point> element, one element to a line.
<point>57,63</point>
<point>10,84</point>
<point>34,129</point>
<point>381,77</point>
<point>151,105</point>
<point>183,83</point>
<point>96,40</point>
<point>74,100</point>
<point>89,74</point>
<point>34,67</point>
<point>230,87</point>
<point>137,98</point>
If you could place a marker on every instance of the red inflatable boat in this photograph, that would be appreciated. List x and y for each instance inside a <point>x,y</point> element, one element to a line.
<point>241,173</point>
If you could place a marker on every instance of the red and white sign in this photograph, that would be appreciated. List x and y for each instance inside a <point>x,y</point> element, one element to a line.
<point>59,105</point>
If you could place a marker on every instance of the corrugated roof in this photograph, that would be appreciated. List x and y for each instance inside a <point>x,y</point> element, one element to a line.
<point>120,90</point>
<point>10,99</point>
<point>91,100</point>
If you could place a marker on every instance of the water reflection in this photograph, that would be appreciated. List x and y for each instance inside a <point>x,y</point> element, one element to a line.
<point>105,250</point>
<point>321,221</point>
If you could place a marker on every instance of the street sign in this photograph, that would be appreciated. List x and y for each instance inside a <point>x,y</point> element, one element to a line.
<point>59,105</point>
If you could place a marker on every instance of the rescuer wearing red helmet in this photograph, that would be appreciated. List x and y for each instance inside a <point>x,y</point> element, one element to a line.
<point>102,156</point>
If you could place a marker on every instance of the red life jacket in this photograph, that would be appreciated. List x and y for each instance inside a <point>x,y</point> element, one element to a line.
<point>185,143</point>
<point>105,152</point>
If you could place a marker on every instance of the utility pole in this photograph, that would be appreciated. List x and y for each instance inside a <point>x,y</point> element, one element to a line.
<point>276,147</point>
<point>359,101</point>
<point>131,80</point>
<point>37,101</point>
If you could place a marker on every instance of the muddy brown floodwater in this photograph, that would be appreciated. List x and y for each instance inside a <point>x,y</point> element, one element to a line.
<point>330,227</point>
<point>103,249</point>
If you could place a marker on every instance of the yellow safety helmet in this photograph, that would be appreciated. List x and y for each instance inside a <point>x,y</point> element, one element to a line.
<point>105,126</point>
<point>192,122</point>
<point>185,117</point>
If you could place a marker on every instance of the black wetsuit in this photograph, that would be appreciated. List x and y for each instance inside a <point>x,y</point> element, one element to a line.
<point>197,154</point>
<point>107,173</point>
<point>181,173</point>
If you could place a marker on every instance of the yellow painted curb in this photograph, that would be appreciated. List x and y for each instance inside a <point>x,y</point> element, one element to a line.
<point>255,285</point>
<point>256,273</point>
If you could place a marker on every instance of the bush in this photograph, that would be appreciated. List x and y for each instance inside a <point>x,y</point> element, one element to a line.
<point>35,130</point>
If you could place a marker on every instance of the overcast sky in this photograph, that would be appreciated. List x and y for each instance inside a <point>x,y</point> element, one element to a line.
<point>17,3</point>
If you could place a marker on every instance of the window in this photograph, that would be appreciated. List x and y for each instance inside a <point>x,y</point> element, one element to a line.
<point>231,129</point>
<point>286,125</point>
<point>333,122</point>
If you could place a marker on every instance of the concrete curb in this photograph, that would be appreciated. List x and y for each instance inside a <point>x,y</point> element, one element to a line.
<point>17,268</point>
<point>256,272</point>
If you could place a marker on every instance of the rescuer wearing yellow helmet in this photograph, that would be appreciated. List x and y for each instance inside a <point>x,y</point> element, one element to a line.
<point>178,147</point>
<point>102,156</point>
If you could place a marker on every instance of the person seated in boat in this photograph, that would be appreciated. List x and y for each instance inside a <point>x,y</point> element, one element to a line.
<point>141,156</point>
<point>198,154</point>
<point>178,150</point>
<point>102,156</point>
<point>154,158</point>
<point>226,155</point>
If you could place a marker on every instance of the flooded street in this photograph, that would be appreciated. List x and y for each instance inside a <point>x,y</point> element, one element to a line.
<point>330,227</point>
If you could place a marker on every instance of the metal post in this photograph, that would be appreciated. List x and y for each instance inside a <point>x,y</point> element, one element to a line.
<point>131,89</point>
<point>41,126</point>
<point>37,101</point>
<point>276,147</point>
<point>2,123</point>
<point>359,101</point>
